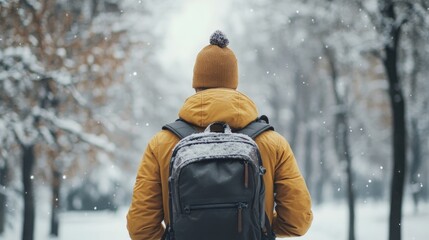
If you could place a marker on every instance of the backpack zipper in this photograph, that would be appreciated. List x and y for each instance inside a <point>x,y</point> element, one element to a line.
<point>240,205</point>
<point>240,216</point>
<point>246,174</point>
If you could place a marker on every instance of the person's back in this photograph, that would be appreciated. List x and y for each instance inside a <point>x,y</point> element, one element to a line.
<point>216,100</point>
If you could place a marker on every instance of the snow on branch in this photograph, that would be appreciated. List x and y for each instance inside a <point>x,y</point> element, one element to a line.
<point>28,5</point>
<point>420,11</point>
<point>24,137</point>
<point>76,129</point>
<point>77,96</point>
<point>12,55</point>
<point>3,129</point>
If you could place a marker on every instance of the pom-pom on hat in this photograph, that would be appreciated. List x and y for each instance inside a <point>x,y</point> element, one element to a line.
<point>216,65</point>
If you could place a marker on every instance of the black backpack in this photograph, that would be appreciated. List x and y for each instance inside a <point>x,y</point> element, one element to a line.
<point>216,188</point>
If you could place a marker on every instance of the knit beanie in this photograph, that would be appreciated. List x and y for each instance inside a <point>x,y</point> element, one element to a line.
<point>216,65</point>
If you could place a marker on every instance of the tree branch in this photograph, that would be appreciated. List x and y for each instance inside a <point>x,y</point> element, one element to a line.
<point>372,17</point>
<point>29,6</point>
<point>76,129</point>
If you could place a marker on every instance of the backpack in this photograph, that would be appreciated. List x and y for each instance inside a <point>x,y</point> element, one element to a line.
<point>216,188</point>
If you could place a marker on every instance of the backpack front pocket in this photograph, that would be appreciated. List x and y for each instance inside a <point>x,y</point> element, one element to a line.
<point>225,220</point>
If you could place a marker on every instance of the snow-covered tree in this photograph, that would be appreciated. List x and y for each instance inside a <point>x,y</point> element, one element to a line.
<point>357,40</point>
<point>389,18</point>
<point>56,67</point>
<point>80,88</point>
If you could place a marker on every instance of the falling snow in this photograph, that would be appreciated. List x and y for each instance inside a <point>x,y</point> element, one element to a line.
<point>117,83</point>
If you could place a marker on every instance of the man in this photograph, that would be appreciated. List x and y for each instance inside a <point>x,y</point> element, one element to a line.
<point>215,81</point>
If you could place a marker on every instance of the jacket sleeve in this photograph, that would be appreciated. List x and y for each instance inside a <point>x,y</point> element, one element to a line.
<point>146,213</point>
<point>293,215</point>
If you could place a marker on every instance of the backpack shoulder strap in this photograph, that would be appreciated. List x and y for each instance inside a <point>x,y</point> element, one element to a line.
<point>180,128</point>
<point>183,129</point>
<point>256,127</point>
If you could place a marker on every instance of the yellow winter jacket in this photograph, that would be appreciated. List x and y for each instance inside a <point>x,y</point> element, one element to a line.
<point>291,214</point>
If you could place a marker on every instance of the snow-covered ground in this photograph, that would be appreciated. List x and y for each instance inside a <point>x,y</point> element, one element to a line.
<point>330,223</point>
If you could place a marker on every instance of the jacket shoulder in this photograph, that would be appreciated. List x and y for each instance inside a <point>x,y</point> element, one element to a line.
<point>273,139</point>
<point>163,139</point>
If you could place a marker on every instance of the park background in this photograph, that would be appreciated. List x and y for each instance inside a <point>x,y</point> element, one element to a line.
<point>85,84</point>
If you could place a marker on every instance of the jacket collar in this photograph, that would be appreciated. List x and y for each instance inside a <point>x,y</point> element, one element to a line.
<point>219,104</point>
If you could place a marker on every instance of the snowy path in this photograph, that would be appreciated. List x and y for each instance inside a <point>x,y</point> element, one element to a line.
<point>329,224</point>
<point>371,223</point>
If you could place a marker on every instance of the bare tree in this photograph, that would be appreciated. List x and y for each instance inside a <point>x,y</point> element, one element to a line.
<point>389,20</point>
<point>341,135</point>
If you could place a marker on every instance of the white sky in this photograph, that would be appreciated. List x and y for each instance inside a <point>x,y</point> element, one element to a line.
<point>189,31</point>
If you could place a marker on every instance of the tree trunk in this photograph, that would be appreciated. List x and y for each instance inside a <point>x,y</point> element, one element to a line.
<point>308,146</point>
<point>56,184</point>
<point>296,111</point>
<point>415,134</point>
<point>323,172</point>
<point>344,154</point>
<point>399,135</point>
<point>398,112</point>
<point>276,105</point>
<point>415,163</point>
<point>3,197</point>
<point>349,174</point>
<point>342,142</point>
<point>28,159</point>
